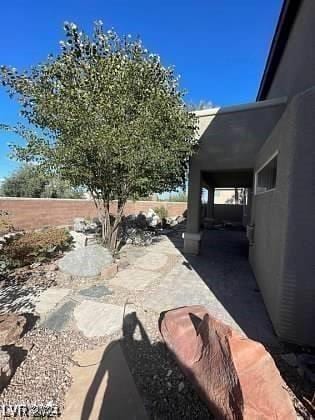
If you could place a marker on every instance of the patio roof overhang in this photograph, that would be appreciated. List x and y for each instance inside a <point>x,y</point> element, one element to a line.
<point>231,137</point>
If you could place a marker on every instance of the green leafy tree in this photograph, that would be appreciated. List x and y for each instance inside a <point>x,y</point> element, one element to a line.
<point>28,181</point>
<point>109,117</point>
<point>199,106</point>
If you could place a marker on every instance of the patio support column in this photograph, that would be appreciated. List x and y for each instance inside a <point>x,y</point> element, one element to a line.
<point>210,203</point>
<point>192,235</point>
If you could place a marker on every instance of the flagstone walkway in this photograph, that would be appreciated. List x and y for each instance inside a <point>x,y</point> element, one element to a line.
<point>159,278</point>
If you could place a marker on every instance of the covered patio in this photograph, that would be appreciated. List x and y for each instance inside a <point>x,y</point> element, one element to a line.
<point>230,139</point>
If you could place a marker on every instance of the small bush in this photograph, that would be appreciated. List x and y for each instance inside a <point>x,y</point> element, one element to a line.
<point>35,247</point>
<point>161,212</point>
<point>5,226</point>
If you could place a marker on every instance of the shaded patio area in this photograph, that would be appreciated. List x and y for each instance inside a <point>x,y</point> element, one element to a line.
<point>224,267</point>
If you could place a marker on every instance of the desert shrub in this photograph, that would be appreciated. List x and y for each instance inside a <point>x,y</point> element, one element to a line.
<point>161,212</point>
<point>35,247</point>
<point>5,224</point>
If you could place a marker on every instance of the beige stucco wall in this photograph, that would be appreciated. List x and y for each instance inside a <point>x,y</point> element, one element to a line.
<point>284,236</point>
<point>296,71</point>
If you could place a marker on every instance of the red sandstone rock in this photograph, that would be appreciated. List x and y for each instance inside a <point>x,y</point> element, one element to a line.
<point>11,328</point>
<point>236,376</point>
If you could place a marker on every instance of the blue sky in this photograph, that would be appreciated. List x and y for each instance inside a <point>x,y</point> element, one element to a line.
<point>218,47</point>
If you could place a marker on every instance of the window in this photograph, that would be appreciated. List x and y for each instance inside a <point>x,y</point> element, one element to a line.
<point>266,176</point>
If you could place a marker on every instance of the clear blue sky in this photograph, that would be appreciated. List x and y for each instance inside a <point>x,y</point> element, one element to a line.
<point>219,47</point>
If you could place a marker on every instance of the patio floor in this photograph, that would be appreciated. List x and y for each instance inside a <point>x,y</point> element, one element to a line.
<point>224,268</point>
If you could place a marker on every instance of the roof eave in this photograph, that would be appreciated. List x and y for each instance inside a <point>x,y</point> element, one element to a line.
<point>285,23</point>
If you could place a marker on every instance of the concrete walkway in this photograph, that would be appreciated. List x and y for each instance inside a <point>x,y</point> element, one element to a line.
<point>224,267</point>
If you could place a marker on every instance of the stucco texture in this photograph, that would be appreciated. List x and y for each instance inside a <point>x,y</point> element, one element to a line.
<point>284,239</point>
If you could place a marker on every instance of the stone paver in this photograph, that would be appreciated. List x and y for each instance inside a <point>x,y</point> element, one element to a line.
<point>95,292</point>
<point>164,246</point>
<point>103,388</point>
<point>49,299</point>
<point>183,287</point>
<point>134,279</point>
<point>151,261</point>
<point>96,319</point>
<point>85,262</point>
<point>58,319</point>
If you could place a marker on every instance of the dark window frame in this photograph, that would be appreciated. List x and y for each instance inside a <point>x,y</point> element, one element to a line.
<point>266,175</point>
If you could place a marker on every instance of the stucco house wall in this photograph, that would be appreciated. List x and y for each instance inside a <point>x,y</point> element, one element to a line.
<point>296,70</point>
<point>282,256</point>
<point>284,235</point>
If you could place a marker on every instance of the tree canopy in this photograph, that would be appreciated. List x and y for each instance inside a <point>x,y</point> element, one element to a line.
<point>29,182</point>
<point>108,116</point>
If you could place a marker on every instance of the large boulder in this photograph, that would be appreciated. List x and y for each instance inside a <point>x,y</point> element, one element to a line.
<point>11,328</point>
<point>236,376</point>
<point>86,262</point>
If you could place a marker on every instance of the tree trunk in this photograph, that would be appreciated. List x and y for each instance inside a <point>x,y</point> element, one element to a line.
<point>110,229</point>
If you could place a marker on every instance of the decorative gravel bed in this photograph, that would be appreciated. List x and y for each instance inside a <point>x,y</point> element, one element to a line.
<point>43,376</point>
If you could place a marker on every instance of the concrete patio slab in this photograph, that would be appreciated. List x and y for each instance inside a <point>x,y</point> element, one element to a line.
<point>96,319</point>
<point>165,246</point>
<point>151,261</point>
<point>183,287</point>
<point>224,268</point>
<point>134,279</point>
<point>49,299</point>
<point>103,387</point>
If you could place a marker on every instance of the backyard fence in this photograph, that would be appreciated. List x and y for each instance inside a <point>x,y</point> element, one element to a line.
<point>35,213</point>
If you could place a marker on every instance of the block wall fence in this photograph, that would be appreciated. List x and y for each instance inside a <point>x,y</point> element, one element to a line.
<point>35,213</point>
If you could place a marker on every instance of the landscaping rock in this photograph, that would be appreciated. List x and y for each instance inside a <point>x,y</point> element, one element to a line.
<point>141,221</point>
<point>236,376</point>
<point>5,369</point>
<point>59,319</point>
<point>11,328</point>
<point>95,292</point>
<point>109,272</point>
<point>79,224</point>
<point>79,239</point>
<point>49,299</point>
<point>96,319</point>
<point>86,262</point>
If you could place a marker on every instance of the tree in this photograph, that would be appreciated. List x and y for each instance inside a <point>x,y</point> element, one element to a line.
<point>109,117</point>
<point>28,181</point>
<point>199,106</point>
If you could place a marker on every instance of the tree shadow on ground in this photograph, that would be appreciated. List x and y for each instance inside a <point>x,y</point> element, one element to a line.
<point>16,294</point>
<point>156,375</point>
